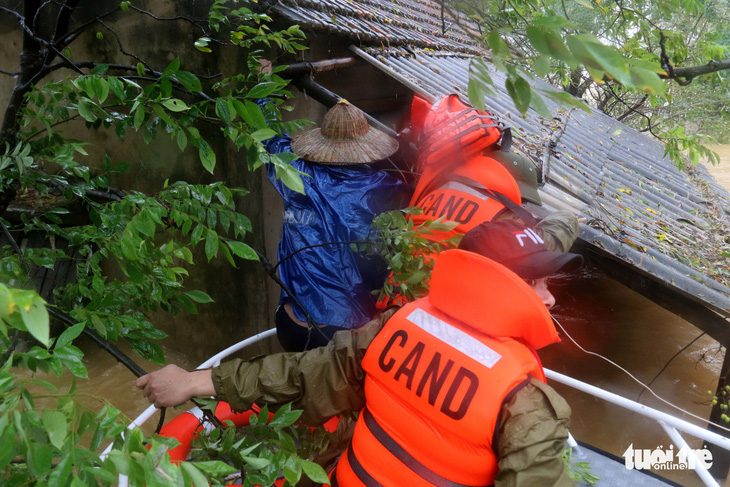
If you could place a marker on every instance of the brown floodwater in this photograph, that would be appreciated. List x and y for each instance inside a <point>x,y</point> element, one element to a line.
<point>602,315</point>
<point>613,321</point>
<point>651,343</point>
<point>111,383</point>
<point>721,172</point>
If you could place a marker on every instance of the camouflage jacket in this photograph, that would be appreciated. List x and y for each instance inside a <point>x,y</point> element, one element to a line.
<point>328,381</point>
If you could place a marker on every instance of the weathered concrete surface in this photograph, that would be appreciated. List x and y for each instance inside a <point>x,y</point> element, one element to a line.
<point>244,298</point>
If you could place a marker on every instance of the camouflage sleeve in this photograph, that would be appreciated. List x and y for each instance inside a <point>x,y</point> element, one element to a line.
<point>322,382</point>
<point>532,438</point>
<point>559,230</point>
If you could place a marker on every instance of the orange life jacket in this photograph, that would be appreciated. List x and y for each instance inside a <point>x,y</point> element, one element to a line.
<point>420,109</point>
<point>453,128</point>
<point>438,373</point>
<point>460,202</point>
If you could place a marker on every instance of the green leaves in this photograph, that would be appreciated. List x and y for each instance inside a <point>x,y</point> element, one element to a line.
<point>199,296</point>
<point>242,250</point>
<point>600,58</point>
<point>520,91</point>
<point>549,41</point>
<point>56,426</point>
<point>567,99</point>
<point>189,81</point>
<point>148,242</point>
<point>24,311</point>
<point>18,160</point>
<point>271,445</point>
<point>207,155</point>
<point>480,83</point>
<point>202,44</point>
<point>264,89</point>
<point>557,45</point>
<point>223,109</point>
<point>288,175</point>
<point>175,105</point>
<point>408,253</point>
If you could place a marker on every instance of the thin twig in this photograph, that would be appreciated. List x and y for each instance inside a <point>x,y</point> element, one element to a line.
<point>15,246</point>
<point>669,362</point>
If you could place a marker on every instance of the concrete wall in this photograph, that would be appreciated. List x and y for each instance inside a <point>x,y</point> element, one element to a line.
<point>245,298</point>
<point>242,296</point>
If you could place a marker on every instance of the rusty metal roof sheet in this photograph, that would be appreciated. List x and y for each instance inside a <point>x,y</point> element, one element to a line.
<point>396,23</point>
<point>672,225</point>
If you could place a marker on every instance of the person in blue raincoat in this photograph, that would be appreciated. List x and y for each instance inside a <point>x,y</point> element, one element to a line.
<point>333,284</point>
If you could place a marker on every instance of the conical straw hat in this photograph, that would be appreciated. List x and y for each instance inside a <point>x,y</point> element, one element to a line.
<point>345,137</point>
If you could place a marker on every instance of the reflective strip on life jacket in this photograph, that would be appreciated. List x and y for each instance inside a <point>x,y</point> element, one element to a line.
<point>463,342</point>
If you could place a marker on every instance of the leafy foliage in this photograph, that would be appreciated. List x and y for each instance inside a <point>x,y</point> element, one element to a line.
<point>270,446</point>
<point>723,399</point>
<point>132,251</point>
<point>407,251</point>
<point>613,56</point>
<point>47,439</point>
<point>25,311</point>
<point>578,471</point>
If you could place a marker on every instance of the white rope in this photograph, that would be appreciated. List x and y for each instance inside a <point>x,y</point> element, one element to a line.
<point>704,420</point>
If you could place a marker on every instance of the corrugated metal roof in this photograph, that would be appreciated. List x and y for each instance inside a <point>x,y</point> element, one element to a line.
<point>669,225</point>
<point>391,24</point>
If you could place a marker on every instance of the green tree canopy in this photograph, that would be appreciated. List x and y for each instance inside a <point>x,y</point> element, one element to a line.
<point>132,251</point>
<point>658,66</point>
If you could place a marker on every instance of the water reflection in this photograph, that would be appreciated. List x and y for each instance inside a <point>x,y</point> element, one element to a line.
<point>613,321</point>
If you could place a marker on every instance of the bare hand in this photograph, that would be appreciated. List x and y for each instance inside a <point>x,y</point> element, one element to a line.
<point>172,386</point>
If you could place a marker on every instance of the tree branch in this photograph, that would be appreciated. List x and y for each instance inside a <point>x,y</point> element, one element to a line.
<point>633,108</point>
<point>29,68</point>
<point>649,126</point>
<point>694,71</point>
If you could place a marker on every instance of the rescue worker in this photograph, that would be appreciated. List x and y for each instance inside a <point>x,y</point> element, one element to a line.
<point>491,188</point>
<point>467,178</point>
<point>450,388</point>
<point>469,174</point>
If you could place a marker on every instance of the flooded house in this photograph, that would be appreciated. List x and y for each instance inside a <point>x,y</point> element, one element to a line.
<point>650,229</point>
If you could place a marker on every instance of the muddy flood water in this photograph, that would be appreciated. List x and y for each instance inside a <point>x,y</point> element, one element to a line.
<point>604,317</point>
<point>652,344</point>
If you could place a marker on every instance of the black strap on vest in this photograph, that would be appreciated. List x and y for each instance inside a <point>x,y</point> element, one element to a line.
<point>443,179</point>
<point>360,471</point>
<point>401,454</point>
<point>505,144</point>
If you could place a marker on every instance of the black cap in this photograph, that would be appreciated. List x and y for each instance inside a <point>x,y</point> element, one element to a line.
<point>519,248</point>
